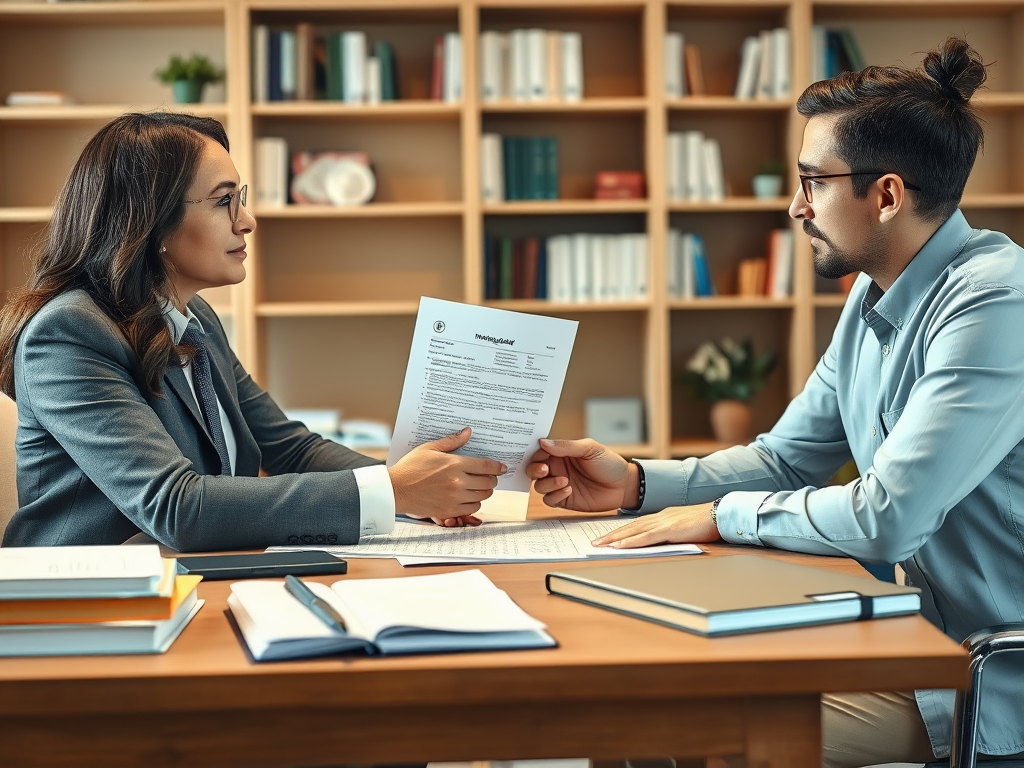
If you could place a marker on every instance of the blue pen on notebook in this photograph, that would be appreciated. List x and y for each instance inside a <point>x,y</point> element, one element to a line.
<point>320,607</point>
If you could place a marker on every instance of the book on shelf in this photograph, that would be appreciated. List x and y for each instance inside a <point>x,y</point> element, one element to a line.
<point>734,594</point>
<point>452,63</point>
<point>353,66</point>
<point>834,51</point>
<point>619,185</point>
<point>675,78</point>
<point>751,275</point>
<point>271,157</point>
<point>750,67</point>
<point>372,82</point>
<point>440,613</point>
<point>38,99</point>
<point>528,166</point>
<point>695,170</point>
<point>694,69</point>
<point>305,62</point>
<point>688,274</point>
<point>492,176</point>
<point>530,65</point>
<point>779,280</point>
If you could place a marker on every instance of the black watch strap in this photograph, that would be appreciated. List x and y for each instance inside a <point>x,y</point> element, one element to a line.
<point>642,487</point>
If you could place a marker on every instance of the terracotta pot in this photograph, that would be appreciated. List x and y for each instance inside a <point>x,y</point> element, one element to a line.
<point>730,421</point>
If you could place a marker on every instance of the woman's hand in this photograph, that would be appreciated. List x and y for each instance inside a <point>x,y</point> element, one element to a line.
<point>583,475</point>
<point>431,481</point>
<point>673,525</point>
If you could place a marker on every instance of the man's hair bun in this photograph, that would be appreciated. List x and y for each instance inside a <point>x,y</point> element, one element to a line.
<point>956,68</point>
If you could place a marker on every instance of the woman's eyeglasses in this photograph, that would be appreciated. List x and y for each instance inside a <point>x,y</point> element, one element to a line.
<point>233,200</point>
<point>805,181</point>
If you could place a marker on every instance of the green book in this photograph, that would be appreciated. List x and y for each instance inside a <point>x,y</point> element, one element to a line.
<point>535,167</point>
<point>386,56</point>
<point>510,146</point>
<point>506,249</point>
<point>852,50</point>
<point>550,175</point>
<point>335,71</point>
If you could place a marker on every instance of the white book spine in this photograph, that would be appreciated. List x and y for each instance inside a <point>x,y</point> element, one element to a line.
<point>260,65</point>
<point>519,57</point>
<point>492,177</point>
<point>782,269</point>
<point>354,53</point>
<point>271,171</point>
<point>672,274</point>
<point>674,172</point>
<point>781,65</point>
<point>505,66</point>
<point>289,64</point>
<point>556,250</point>
<point>764,73</point>
<point>490,67</point>
<point>642,267</point>
<point>372,86</point>
<point>553,65</point>
<point>750,63</point>
<point>625,286</point>
<point>565,270</point>
<point>687,276</point>
<point>598,278</point>
<point>694,165</point>
<point>572,66</point>
<point>714,183</point>
<point>452,67</point>
<point>819,38</point>
<point>673,64</point>
<point>536,64</point>
<point>615,253</point>
<point>582,279</point>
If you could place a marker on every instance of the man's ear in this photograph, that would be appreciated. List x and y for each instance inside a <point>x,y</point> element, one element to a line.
<point>892,195</point>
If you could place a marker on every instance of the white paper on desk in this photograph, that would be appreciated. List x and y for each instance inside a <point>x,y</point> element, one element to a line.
<point>506,542</point>
<point>498,372</point>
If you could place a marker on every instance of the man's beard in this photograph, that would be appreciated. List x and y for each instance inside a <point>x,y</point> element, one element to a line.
<point>835,262</point>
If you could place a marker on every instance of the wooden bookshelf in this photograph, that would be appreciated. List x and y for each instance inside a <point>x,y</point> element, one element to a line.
<point>325,317</point>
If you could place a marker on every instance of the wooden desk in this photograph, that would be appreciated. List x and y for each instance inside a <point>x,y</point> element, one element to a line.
<point>616,687</point>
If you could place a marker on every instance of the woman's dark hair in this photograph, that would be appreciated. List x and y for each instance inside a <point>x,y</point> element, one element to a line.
<point>122,198</point>
<point>915,123</point>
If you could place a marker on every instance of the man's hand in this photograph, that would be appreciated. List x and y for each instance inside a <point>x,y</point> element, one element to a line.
<point>583,475</point>
<point>430,481</point>
<point>673,525</point>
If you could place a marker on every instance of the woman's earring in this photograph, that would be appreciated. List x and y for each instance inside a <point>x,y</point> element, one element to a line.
<point>163,249</point>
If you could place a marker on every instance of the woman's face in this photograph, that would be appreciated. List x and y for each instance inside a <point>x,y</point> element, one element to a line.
<point>208,248</point>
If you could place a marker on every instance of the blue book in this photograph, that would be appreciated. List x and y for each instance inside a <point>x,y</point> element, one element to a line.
<point>705,285</point>
<point>511,161</point>
<point>274,65</point>
<point>550,174</point>
<point>542,269</point>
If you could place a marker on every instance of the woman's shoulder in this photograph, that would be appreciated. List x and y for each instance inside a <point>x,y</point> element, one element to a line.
<point>72,314</point>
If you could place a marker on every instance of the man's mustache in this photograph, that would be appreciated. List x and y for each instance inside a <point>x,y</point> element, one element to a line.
<point>813,231</point>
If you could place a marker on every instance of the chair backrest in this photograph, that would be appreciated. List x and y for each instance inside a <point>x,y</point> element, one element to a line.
<point>8,463</point>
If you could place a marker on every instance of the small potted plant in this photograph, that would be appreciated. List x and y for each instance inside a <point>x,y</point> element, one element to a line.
<point>729,374</point>
<point>767,182</point>
<point>188,76</point>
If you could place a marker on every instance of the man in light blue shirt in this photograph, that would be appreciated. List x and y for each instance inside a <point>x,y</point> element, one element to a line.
<point>922,386</point>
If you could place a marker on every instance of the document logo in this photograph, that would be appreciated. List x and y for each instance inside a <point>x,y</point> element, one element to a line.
<point>439,326</point>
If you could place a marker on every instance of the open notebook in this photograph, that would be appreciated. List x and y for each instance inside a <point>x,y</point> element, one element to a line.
<point>461,611</point>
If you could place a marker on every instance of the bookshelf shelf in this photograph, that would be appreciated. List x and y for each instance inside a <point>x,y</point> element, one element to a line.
<point>368,211</point>
<point>730,204</point>
<point>731,302</point>
<point>25,215</point>
<point>75,113</point>
<point>412,109</point>
<point>335,308</point>
<point>625,104</point>
<point>544,307</point>
<point>729,104</point>
<point>347,279</point>
<point>557,207</point>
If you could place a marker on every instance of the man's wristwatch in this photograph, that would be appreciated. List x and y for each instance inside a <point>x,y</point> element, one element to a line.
<point>642,483</point>
<point>714,511</point>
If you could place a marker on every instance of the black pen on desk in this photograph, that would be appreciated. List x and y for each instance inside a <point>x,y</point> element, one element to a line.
<point>320,607</point>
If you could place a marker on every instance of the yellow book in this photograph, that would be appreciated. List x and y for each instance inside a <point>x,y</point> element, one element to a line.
<point>172,592</point>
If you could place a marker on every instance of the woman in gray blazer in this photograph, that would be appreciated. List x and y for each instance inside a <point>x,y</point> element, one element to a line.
<point>134,415</point>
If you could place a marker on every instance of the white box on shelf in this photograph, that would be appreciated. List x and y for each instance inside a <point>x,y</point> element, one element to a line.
<point>615,420</point>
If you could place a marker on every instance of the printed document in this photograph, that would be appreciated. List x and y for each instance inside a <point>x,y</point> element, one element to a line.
<point>423,543</point>
<point>498,372</point>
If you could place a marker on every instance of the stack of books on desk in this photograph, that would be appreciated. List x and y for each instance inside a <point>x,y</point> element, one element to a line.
<point>61,601</point>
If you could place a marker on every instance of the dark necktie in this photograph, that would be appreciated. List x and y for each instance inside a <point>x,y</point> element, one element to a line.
<point>202,380</point>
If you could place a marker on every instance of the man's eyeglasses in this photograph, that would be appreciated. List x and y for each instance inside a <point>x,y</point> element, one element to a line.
<point>805,181</point>
<point>233,200</point>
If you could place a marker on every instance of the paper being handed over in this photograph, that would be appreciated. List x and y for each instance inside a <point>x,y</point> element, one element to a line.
<point>495,371</point>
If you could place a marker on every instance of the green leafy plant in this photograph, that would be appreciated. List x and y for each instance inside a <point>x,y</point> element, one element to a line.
<point>196,68</point>
<point>726,370</point>
<point>772,167</point>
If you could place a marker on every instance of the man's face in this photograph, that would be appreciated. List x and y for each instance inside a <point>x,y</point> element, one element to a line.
<point>845,237</point>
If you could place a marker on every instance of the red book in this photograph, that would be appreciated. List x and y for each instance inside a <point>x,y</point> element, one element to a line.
<point>619,185</point>
<point>437,75</point>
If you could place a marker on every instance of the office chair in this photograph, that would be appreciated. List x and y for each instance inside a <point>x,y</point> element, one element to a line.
<point>8,475</point>
<point>982,645</point>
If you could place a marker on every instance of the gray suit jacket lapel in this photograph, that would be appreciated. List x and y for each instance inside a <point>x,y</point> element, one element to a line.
<point>175,378</point>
